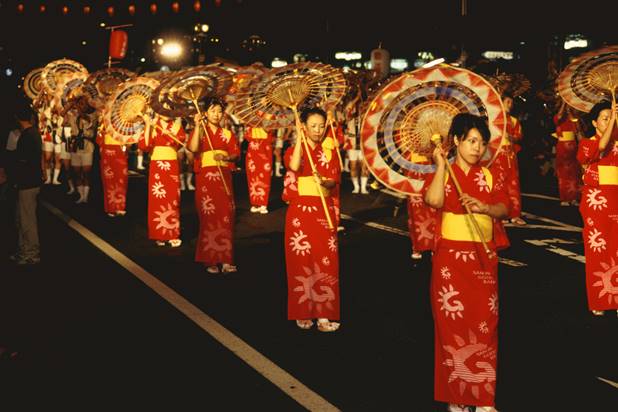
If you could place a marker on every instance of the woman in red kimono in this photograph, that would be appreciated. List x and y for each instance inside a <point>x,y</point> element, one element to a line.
<point>258,163</point>
<point>114,172</point>
<point>162,140</point>
<point>311,247</point>
<point>599,208</point>
<point>567,167</point>
<point>505,167</point>
<point>214,199</point>
<point>464,279</point>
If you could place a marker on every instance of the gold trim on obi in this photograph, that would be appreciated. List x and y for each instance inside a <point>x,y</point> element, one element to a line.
<point>567,136</point>
<point>608,175</point>
<point>163,153</point>
<point>110,141</point>
<point>208,158</point>
<point>308,187</point>
<point>460,227</point>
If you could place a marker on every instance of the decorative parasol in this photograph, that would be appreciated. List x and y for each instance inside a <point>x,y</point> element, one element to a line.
<point>54,72</point>
<point>407,112</point>
<point>242,78</point>
<point>33,84</point>
<point>590,78</point>
<point>69,89</point>
<point>176,94</point>
<point>268,99</point>
<point>124,109</point>
<point>101,84</point>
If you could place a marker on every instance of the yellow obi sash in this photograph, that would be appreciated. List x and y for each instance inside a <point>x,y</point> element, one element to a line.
<point>208,158</point>
<point>259,133</point>
<point>163,153</point>
<point>110,141</point>
<point>460,227</point>
<point>567,136</point>
<point>307,187</point>
<point>608,175</point>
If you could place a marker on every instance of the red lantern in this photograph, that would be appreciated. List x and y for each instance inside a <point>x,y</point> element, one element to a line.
<point>42,8</point>
<point>65,10</point>
<point>86,9</point>
<point>197,6</point>
<point>153,8</point>
<point>175,7</point>
<point>132,9</point>
<point>217,3</point>
<point>20,8</point>
<point>110,11</point>
<point>118,42</point>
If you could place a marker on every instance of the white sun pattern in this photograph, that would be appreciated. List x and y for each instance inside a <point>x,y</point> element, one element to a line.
<point>300,246</point>
<point>167,219</point>
<point>445,273</point>
<point>323,159</point>
<point>108,172</point>
<point>481,182</point>
<point>454,308</point>
<point>332,244</point>
<point>208,206</point>
<point>595,241</point>
<point>115,195</point>
<point>308,209</point>
<point>296,222</point>
<point>158,190</point>
<point>463,254</point>
<point>164,165</point>
<point>251,165</point>
<point>483,327</point>
<point>325,296</point>
<point>325,261</point>
<point>594,201</point>
<point>493,303</point>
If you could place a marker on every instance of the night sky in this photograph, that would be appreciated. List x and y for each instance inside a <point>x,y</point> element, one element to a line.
<point>318,28</point>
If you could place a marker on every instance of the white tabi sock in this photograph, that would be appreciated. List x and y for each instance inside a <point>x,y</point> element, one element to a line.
<point>363,181</point>
<point>356,185</point>
<point>55,180</point>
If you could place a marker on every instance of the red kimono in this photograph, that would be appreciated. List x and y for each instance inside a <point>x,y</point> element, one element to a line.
<point>599,210</point>
<point>505,168</point>
<point>259,165</point>
<point>311,248</point>
<point>421,216</point>
<point>329,146</point>
<point>214,206</point>
<point>567,168</point>
<point>163,180</point>
<point>464,294</point>
<point>114,172</point>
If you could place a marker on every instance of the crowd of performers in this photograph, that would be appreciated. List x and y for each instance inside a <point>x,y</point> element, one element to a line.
<point>464,261</point>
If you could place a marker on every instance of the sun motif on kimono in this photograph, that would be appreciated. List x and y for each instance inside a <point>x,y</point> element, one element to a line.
<point>463,254</point>
<point>493,303</point>
<point>216,240</point>
<point>158,190</point>
<point>251,165</point>
<point>422,228</point>
<point>211,176</point>
<point>332,244</point>
<point>308,209</point>
<point>300,246</point>
<point>453,309</point>
<point>608,281</point>
<point>267,167</point>
<point>157,176</point>
<point>445,273</point>
<point>595,241</point>
<point>589,221</point>
<point>481,182</point>
<point>115,195</point>
<point>323,159</point>
<point>324,297</point>
<point>484,374</point>
<point>254,145</point>
<point>167,219</point>
<point>164,165</point>
<point>108,172</point>
<point>595,202</point>
<point>208,206</point>
<point>296,222</point>
<point>325,261</point>
<point>483,327</point>
<point>416,201</point>
<point>257,188</point>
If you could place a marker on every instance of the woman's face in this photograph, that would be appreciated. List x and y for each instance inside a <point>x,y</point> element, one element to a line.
<point>602,121</point>
<point>472,148</point>
<point>214,114</point>
<point>314,127</point>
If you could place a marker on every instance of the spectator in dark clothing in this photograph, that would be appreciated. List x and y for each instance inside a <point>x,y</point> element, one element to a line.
<point>26,174</point>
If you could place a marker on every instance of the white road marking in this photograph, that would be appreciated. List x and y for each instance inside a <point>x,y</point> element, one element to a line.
<point>552,221</point>
<point>268,369</point>
<point>509,262</point>
<point>548,245</point>
<point>611,383</point>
